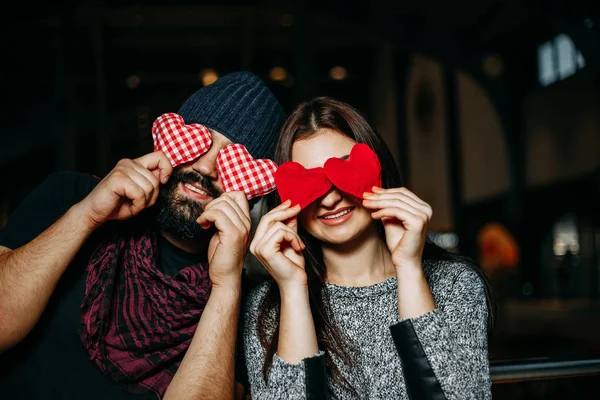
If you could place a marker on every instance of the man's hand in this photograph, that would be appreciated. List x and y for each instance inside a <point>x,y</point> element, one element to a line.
<point>30,273</point>
<point>230,213</point>
<point>128,189</point>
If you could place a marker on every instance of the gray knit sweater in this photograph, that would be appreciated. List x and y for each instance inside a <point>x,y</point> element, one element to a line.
<point>453,338</point>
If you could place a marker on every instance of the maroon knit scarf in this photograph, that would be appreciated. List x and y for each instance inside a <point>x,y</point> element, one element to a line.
<point>137,322</point>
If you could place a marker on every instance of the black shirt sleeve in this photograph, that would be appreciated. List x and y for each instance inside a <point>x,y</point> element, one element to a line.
<point>421,382</point>
<point>44,205</point>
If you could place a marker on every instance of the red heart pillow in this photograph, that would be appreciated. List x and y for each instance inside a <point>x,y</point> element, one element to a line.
<point>180,142</point>
<point>356,175</point>
<point>238,170</point>
<point>301,186</point>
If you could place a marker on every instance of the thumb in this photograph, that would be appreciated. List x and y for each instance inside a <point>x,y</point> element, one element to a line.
<point>158,163</point>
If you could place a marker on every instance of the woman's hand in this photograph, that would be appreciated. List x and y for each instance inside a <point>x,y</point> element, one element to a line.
<point>278,247</point>
<point>405,218</point>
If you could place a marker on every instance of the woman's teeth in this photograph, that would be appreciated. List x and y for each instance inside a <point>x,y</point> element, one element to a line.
<point>196,190</point>
<point>346,211</point>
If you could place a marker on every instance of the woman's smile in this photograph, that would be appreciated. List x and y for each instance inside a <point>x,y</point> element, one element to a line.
<point>337,217</point>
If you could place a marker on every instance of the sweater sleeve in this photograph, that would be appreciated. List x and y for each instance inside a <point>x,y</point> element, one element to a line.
<point>444,353</point>
<point>304,380</point>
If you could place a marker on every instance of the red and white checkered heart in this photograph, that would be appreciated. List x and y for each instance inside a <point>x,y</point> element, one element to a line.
<point>180,142</point>
<point>238,170</point>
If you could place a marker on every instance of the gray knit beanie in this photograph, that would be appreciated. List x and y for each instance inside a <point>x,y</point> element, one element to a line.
<point>241,107</point>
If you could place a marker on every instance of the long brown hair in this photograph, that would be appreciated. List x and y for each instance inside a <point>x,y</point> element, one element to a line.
<point>308,118</point>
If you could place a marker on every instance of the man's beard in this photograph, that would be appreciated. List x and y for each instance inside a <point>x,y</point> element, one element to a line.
<point>176,213</point>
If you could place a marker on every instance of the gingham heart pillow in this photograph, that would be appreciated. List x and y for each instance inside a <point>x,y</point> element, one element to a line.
<point>238,170</point>
<point>180,142</point>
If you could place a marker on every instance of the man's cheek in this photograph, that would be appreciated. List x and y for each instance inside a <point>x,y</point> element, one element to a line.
<point>218,187</point>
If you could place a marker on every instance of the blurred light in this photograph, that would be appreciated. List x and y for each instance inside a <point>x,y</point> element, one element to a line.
<point>574,247</point>
<point>565,235</point>
<point>558,59</point>
<point>566,55</point>
<point>286,20</point>
<point>208,76</point>
<point>589,23</point>
<point>498,248</point>
<point>493,65</point>
<point>527,289</point>
<point>580,60</point>
<point>133,81</point>
<point>546,71</point>
<point>445,240</point>
<point>278,74</point>
<point>338,73</point>
<point>559,247</point>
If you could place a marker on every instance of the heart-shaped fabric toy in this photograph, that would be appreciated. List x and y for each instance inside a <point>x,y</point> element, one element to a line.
<point>180,142</point>
<point>238,170</point>
<point>356,175</point>
<point>301,185</point>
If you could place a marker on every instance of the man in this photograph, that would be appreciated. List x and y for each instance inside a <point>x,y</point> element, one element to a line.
<point>107,285</point>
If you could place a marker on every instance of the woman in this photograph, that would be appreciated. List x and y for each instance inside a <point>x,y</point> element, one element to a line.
<point>362,305</point>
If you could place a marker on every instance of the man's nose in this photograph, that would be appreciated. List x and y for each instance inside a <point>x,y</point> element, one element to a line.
<point>206,164</point>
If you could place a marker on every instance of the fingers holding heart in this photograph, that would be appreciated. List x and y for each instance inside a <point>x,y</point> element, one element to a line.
<point>405,218</point>
<point>279,250</point>
<point>405,233</point>
<point>400,197</point>
<point>273,239</point>
<point>147,184</point>
<point>241,210</point>
<point>280,214</point>
<point>278,246</point>
<point>412,222</point>
<point>405,192</point>
<point>394,203</point>
<point>158,163</point>
<point>240,199</point>
<point>228,218</point>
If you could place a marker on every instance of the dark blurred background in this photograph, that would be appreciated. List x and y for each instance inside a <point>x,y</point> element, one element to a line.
<point>492,109</point>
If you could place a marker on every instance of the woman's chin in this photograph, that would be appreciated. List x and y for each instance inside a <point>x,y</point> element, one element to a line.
<point>343,236</point>
<point>358,226</point>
